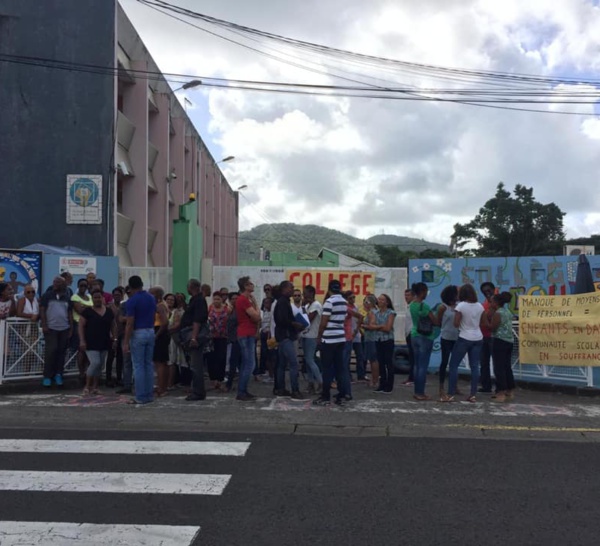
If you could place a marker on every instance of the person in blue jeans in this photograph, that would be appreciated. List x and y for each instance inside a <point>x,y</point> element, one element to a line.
<point>469,316</point>
<point>248,320</point>
<point>422,342</point>
<point>139,340</point>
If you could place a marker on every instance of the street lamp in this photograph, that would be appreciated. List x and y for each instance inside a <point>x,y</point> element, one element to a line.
<point>228,158</point>
<point>189,85</point>
<point>242,187</point>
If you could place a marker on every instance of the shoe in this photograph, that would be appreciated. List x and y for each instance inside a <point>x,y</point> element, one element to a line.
<point>47,382</point>
<point>408,383</point>
<point>421,397</point>
<point>282,393</point>
<point>338,400</point>
<point>194,398</point>
<point>386,392</point>
<point>245,397</point>
<point>268,380</point>
<point>297,395</point>
<point>378,390</point>
<point>348,397</point>
<point>321,402</point>
<point>123,391</point>
<point>58,379</point>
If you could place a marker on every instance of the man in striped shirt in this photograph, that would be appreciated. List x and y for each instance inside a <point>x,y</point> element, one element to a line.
<point>332,340</point>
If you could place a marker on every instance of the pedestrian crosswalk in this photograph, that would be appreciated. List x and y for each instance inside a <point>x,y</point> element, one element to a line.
<point>42,478</point>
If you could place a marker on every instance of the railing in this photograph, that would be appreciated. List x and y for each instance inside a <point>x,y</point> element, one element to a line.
<point>570,374</point>
<point>22,351</point>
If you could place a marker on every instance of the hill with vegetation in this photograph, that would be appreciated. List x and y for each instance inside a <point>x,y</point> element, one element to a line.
<point>307,241</point>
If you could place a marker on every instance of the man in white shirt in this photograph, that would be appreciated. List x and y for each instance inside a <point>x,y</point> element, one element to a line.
<point>309,339</point>
<point>333,340</point>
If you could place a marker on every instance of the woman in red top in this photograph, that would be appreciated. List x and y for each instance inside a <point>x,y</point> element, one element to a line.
<point>217,322</point>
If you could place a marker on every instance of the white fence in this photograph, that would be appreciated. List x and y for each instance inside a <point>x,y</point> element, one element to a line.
<point>152,276</point>
<point>22,350</point>
<point>554,374</point>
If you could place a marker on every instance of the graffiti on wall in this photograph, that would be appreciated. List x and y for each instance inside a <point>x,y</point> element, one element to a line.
<point>531,276</point>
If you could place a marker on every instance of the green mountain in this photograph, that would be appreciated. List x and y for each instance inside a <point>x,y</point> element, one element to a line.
<point>307,241</point>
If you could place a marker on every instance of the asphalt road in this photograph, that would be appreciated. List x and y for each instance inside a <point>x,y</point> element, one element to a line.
<point>324,490</point>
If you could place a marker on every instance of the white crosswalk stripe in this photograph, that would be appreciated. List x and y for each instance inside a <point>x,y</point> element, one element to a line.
<point>27,533</point>
<point>114,482</point>
<point>132,483</point>
<point>234,449</point>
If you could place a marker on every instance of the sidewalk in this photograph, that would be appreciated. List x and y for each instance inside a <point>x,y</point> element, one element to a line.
<point>369,414</point>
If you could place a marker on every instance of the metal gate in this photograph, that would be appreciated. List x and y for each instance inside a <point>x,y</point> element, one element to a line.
<point>22,351</point>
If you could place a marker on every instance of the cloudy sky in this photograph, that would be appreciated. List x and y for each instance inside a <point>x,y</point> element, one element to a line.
<point>369,166</point>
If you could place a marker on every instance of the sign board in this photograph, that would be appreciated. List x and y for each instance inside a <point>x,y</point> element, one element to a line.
<point>21,267</point>
<point>84,199</point>
<point>361,283</point>
<point>560,330</point>
<point>77,265</point>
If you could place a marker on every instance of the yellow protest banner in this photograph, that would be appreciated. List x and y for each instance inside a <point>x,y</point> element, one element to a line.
<point>560,330</point>
<point>360,282</point>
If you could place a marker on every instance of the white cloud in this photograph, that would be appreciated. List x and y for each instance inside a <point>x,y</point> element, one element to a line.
<point>404,167</point>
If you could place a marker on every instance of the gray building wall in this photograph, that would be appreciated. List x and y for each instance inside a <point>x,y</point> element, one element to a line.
<point>55,122</point>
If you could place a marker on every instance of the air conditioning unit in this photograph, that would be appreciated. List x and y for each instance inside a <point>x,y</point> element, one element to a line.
<point>576,250</point>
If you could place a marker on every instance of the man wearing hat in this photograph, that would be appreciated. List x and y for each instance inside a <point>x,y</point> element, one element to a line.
<point>332,340</point>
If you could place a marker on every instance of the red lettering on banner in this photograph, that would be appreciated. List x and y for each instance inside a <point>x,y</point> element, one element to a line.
<point>366,279</point>
<point>343,278</point>
<point>293,276</point>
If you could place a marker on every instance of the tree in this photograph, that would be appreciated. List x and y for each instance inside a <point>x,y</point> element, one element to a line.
<point>392,256</point>
<point>513,226</point>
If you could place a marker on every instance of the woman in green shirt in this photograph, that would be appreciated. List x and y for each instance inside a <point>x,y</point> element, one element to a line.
<point>500,320</point>
<point>422,342</point>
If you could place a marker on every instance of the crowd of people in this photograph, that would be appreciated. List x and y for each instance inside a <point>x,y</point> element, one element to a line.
<point>159,342</point>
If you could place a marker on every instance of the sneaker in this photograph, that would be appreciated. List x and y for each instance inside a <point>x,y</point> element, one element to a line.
<point>297,395</point>
<point>58,379</point>
<point>408,383</point>
<point>321,402</point>
<point>268,380</point>
<point>246,397</point>
<point>282,393</point>
<point>338,400</point>
<point>124,390</point>
<point>348,397</point>
<point>386,392</point>
<point>378,390</point>
<point>47,382</point>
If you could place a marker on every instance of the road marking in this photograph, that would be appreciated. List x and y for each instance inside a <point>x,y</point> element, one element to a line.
<point>114,482</point>
<point>524,428</point>
<point>17,533</point>
<point>234,449</point>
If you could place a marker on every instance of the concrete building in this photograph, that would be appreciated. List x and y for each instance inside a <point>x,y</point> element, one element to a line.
<point>126,136</point>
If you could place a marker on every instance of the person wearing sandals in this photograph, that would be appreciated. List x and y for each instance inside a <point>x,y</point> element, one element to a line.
<point>500,323</point>
<point>449,333</point>
<point>97,334</point>
<point>370,338</point>
<point>384,327</point>
<point>468,319</point>
<point>422,343</point>
<point>160,354</point>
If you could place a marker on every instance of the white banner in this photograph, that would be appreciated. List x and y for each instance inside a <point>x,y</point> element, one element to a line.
<point>77,265</point>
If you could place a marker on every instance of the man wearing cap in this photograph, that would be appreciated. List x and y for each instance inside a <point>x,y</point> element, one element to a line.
<point>332,340</point>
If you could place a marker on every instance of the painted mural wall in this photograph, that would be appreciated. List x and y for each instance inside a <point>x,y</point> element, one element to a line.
<point>532,275</point>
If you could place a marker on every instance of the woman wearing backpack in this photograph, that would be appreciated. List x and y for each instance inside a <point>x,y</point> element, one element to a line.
<point>421,337</point>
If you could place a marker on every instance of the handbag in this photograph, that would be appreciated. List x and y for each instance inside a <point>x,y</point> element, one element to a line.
<point>185,335</point>
<point>424,325</point>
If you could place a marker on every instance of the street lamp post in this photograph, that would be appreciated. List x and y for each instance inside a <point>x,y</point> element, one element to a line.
<point>189,85</point>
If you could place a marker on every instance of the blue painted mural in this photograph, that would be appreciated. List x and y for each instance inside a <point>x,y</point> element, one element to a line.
<point>531,275</point>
